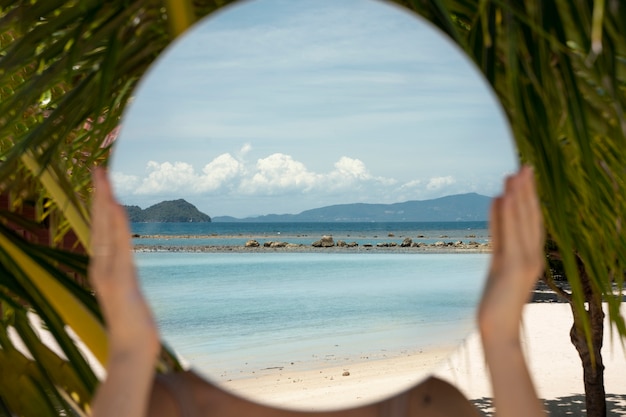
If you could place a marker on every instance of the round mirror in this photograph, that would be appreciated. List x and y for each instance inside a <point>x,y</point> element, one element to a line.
<point>345,154</point>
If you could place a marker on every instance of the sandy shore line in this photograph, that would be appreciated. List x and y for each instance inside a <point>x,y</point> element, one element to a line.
<point>552,359</point>
<point>347,385</point>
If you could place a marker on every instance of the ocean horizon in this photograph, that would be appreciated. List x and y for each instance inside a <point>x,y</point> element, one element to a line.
<point>237,233</point>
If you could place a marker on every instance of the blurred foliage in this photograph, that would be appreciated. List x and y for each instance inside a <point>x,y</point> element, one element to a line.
<point>558,69</point>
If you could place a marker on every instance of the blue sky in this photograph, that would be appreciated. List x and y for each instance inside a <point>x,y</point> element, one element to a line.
<point>278,106</point>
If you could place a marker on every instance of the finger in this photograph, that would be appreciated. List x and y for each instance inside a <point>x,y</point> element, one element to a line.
<point>101,211</point>
<point>122,240</point>
<point>102,261</point>
<point>521,223</point>
<point>519,204</point>
<point>535,216</point>
<point>527,207</point>
<point>509,183</point>
<point>114,244</point>
<point>535,222</point>
<point>509,220</point>
<point>110,237</point>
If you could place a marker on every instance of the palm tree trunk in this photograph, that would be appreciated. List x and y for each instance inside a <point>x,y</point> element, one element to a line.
<point>591,356</point>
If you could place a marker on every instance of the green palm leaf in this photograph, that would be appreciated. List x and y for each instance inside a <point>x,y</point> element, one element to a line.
<point>21,289</point>
<point>21,379</point>
<point>38,278</point>
<point>558,69</point>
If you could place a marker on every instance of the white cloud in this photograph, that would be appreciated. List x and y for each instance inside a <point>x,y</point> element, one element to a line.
<point>276,174</point>
<point>219,172</point>
<point>436,183</point>
<point>124,184</point>
<point>350,175</point>
<point>278,180</point>
<point>282,174</point>
<point>245,149</point>
<point>279,173</point>
<point>413,184</point>
<point>181,178</point>
<point>352,168</point>
<point>166,177</point>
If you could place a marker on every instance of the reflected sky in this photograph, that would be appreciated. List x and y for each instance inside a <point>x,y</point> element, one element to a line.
<point>277,106</point>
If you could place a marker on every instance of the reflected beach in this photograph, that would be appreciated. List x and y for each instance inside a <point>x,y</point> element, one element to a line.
<point>319,104</point>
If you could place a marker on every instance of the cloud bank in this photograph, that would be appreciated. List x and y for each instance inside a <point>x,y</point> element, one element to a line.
<point>277,175</point>
<point>283,106</point>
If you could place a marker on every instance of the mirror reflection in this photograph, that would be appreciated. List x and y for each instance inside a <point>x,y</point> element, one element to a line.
<point>308,184</point>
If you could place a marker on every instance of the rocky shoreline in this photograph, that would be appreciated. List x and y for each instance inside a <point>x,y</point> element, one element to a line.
<point>326,244</point>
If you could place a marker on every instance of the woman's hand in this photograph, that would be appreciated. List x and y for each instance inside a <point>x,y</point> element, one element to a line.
<point>133,336</point>
<point>518,259</point>
<point>518,238</point>
<point>112,273</point>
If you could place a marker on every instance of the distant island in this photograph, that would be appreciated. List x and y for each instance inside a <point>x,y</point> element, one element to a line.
<point>174,211</point>
<point>460,207</point>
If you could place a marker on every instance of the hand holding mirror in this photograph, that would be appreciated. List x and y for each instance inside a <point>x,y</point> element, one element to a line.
<point>276,107</point>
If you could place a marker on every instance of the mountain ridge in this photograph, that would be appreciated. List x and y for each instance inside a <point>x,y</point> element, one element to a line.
<point>458,207</point>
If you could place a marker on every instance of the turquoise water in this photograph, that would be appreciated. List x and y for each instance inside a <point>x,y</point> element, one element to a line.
<point>233,313</point>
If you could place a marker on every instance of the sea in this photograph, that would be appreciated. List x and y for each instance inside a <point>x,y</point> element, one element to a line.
<point>233,314</point>
<point>237,233</point>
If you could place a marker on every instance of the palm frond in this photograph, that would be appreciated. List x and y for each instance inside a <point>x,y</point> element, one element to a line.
<point>27,387</point>
<point>57,300</point>
<point>564,97</point>
<point>67,71</point>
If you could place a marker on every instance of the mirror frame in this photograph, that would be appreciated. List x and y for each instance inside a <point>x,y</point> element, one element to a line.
<point>425,383</point>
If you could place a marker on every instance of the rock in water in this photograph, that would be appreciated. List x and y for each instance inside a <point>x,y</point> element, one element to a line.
<point>324,242</point>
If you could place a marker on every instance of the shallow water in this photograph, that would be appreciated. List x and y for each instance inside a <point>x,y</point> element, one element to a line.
<point>234,313</point>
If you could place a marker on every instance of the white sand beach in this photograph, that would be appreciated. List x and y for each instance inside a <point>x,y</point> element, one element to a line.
<point>553,362</point>
<point>349,385</point>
